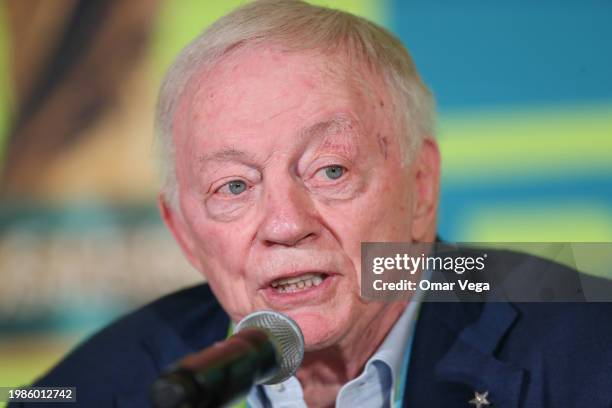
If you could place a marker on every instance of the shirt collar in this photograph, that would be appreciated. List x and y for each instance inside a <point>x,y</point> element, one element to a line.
<point>391,352</point>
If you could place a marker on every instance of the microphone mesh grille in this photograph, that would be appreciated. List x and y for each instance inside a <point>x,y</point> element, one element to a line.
<point>286,336</point>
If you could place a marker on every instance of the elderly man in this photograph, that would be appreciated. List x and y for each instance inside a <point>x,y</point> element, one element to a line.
<point>292,134</point>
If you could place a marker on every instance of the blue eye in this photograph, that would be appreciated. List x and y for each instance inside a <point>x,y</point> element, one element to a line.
<point>334,172</point>
<point>236,186</point>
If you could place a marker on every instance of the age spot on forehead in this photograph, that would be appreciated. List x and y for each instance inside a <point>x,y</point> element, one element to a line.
<point>308,83</point>
<point>382,144</point>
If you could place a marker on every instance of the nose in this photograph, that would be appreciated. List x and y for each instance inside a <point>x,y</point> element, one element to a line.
<point>290,217</point>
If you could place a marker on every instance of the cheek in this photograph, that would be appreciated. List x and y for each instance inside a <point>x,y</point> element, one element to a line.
<point>398,211</point>
<point>221,255</point>
<point>395,201</point>
<point>381,214</point>
<point>213,240</point>
<point>220,249</point>
<point>353,223</point>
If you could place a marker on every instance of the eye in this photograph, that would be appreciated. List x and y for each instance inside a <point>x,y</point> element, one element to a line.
<point>235,187</point>
<point>334,171</point>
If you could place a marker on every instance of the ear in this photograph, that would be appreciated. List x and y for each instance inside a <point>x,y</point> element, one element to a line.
<point>426,189</point>
<point>179,229</point>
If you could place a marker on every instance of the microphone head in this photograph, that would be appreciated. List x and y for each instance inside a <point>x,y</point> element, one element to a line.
<point>285,335</point>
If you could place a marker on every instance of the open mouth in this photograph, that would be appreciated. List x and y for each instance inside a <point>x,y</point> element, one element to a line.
<point>298,283</point>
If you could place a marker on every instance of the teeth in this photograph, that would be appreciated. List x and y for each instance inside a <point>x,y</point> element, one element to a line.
<point>288,285</point>
<point>296,279</point>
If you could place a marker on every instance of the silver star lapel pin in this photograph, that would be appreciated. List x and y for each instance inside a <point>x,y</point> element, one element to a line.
<point>480,400</point>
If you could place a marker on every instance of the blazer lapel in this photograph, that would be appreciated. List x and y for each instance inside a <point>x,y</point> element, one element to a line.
<point>470,360</point>
<point>453,357</point>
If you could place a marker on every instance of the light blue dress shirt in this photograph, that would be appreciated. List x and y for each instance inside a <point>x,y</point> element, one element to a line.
<point>379,385</point>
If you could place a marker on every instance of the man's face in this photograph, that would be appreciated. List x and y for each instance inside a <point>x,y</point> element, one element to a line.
<point>285,164</point>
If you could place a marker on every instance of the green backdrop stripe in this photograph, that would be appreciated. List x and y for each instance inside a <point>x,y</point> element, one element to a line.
<point>518,143</point>
<point>572,221</point>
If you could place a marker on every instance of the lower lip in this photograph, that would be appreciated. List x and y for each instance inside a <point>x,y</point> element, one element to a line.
<point>311,295</point>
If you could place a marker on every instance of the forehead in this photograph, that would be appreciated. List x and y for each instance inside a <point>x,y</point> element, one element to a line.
<point>268,89</point>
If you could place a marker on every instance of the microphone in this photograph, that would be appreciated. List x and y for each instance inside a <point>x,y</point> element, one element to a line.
<point>267,348</point>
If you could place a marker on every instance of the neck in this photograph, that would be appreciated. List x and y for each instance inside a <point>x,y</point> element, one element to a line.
<point>324,371</point>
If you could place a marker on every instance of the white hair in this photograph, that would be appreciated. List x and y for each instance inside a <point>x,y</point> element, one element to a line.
<point>296,26</point>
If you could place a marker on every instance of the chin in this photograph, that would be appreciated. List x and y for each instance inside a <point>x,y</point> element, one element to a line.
<point>319,332</point>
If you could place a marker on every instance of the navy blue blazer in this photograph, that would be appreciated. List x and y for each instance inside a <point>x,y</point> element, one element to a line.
<point>523,354</point>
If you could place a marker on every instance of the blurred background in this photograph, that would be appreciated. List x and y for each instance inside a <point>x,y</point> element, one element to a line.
<point>525,125</point>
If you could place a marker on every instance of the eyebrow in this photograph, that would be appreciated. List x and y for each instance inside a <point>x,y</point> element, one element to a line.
<point>227,154</point>
<point>323,127</point>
